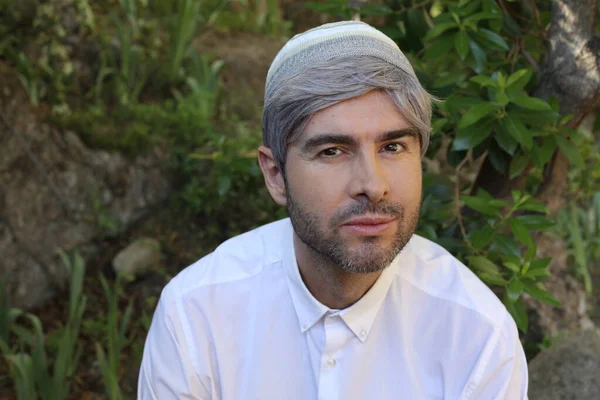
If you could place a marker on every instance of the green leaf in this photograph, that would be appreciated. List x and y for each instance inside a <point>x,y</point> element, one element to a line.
<point>501,98</point>
<point>507,245</point>
<point>224,185</point>
<point>498,158</point>
<point>517,311</point>
<point>534,118</point>
<point>461,43</point>
<point>484,81</point>
<point>492,279</point>
<point>468,8</point>
<point>452,78</point>
<point>520,231</point>
<point>483,264</point>
<point>570,151</point>
<point>473,135</point>
<point>481,205</point>
<point>456,104</point>
<point>518,164</point>
<point>438,124</point>
<point>482,15</point>
<point>512,266</point>
<point>518,79</point>
<point>514,289</point>
<point>482,237</point>
<point>438,29</point>
<point>476,113</point>
<point>478,55</point>
<point>374,10</point>
<point>505,139</point>
<point>541,294</point>
<point>538,268</point>
<point>511,26</point>
<point>490,40</point>
<point>546,150</point>
<point>531,103</point>
<point>540,263</point>
<point>531,251</point>
<point>417,21</point>
<point>538,273</point>
<point>534,207</point>
<point>440,47</point>
<point>517,130</point>
<point>535,222</point>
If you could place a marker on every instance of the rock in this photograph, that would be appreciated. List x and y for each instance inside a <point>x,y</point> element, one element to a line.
<point>568,370</point>
<point>137,258</point>
<point>56,193</point>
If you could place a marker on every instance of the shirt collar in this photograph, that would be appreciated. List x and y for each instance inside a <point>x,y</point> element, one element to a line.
<point>359,317</point>
<point>308,309</point>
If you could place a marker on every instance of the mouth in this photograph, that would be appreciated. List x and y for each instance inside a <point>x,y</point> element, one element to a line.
<point>369,226</point>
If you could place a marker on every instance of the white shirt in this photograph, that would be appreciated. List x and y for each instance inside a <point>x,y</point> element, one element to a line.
<point>241,324</point>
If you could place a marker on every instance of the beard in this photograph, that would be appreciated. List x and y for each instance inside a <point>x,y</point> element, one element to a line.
<point>371,256</point>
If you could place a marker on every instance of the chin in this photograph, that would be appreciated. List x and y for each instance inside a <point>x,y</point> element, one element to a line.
<point>367,258</point>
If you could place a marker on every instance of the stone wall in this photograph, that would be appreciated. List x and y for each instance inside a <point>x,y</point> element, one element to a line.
<point>56,193</point>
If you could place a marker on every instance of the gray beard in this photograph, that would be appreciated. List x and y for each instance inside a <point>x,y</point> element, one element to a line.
<point>332,250</point>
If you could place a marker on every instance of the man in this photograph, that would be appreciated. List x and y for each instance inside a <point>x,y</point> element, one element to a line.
<point>341,300</point>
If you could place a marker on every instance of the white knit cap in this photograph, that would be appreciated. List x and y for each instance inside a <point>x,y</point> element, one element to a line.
<point>330,41</point>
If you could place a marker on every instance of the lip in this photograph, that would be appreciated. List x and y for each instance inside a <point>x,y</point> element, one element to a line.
<point>369,226</point>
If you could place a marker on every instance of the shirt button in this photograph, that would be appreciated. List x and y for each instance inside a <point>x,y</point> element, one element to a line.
<point>363,334</point>
<point>331,362</point>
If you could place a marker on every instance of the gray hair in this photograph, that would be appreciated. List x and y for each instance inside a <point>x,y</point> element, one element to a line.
<point>289,107</point>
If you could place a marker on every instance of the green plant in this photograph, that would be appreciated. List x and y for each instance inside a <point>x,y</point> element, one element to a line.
<point>109,356</point>
<point>30,79</point>
<point>35,39</point>
<point>131,70</point>
<point>203,84</point>
<point>581,226</point>
<point>35,374</point>
<point>261,16</point>
<point>8,317</point>
<point>181,25</point>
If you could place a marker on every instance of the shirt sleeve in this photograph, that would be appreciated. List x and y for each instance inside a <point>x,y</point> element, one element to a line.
<point>167,371</point>
<point>502,371</point>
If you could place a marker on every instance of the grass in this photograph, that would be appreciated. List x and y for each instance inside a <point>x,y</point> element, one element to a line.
<point>41,369</point>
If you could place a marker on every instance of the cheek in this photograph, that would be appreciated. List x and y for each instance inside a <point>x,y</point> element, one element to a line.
<point>406,184</point>
<point>317,192</point>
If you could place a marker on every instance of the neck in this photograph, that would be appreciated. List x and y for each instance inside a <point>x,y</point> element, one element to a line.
<point>327,282</point>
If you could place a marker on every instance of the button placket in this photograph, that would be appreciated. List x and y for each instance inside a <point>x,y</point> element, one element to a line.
<point>335,338</point>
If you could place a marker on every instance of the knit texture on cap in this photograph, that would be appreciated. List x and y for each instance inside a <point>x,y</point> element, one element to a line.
<point>330,41</point>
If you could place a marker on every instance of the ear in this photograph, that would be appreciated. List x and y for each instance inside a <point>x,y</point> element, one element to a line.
<point>273,175</point>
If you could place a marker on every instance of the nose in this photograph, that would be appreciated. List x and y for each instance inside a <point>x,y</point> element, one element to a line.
<point>369,179</point>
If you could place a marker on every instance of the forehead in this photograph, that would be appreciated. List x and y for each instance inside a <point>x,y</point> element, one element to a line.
<point>362,117</point>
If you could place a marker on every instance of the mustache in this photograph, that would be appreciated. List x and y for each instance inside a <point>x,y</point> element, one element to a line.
<point>357,209</point>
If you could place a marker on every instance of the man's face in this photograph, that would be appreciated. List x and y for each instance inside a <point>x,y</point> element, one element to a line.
<point>353,183</point>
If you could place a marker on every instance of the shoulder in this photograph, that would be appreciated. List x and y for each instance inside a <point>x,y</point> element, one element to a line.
<point>238,258</point>
<point>433,270</point>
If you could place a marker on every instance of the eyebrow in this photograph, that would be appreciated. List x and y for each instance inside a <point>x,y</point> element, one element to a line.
<point>330,138</point>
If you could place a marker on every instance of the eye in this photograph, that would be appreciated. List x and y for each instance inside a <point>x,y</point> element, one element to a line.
<point>394,147</point>
<point>331,152</point>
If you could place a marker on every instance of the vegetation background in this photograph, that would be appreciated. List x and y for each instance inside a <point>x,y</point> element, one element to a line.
<point>512,175</point>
